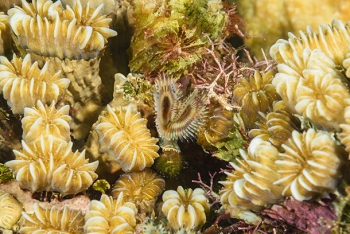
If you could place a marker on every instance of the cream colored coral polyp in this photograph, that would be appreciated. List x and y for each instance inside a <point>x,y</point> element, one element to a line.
<point>10,210</point>
<point>185,208</point>
<point>44,121</point>
<point>110,216</point>
<point>250,185</point>
<point>24,83</point>
<point>79,33</point>
<point>52,221</point>
<point>48,164</point>
<point>310,165</point>
<point>124,136</point>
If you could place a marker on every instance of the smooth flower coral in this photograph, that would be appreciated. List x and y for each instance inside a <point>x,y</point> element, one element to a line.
<point>111,216</point>
<point>333,40</point>
<point>254,95</point>
<point>44,121</point>
<point>276,126</point>
<point>250,185</point>
<point>10,210</point>
<point>185,208</point>
<point>139,186</point>
<point>311,86</point>
<point>124,136</point>
<point>23,83</point>
<point>52,221</point>
<point>48,164</point>
<point>48,29</point>
<point>310,165</point>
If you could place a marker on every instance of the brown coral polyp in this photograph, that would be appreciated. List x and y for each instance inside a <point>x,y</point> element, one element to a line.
<point>255,95</point>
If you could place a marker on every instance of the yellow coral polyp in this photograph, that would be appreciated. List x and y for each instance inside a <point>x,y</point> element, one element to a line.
<point>48,164</point>
<point>52,221</point>
<point>255,95</point>
<point>250,185</point>
<point>139,186</point>
<point>124,136</point>
<point>111,216</point>
<point>185,208</point>
<point>23,83</point>
<point>276,126</point>
<point>44,121</point>
<point>10,210</point>
<point>78,32</point>
<point>309,166</point>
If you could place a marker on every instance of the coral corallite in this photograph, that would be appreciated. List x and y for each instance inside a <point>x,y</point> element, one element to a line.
<point>124,136</point>
<point>185,208</point>
<point>52,221</point>
<point>23,83</point>
<point>254,95</point>
<point>77,32</point>
<point>138,187</point>
<point>311,86</point>
<point>111,216</point>
<point>250,184</point>
<point>10,210</point>
<point>44,121</point>
<point>48,164</point>
<point>310,165</point>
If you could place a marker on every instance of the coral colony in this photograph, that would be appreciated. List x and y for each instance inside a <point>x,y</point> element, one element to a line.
<point>197,136</point>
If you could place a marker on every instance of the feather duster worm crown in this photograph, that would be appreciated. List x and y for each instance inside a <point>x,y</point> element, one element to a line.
<point>49,164</point>
<point>111,216</point>
<point>10,210</point>
<point>52,221</point>
<point>185,208</point>
<point>250,184</point>
<point>124,136</point>
<point>139,186</point>
<point>46,28</point>
<point>44,121</point>
<point>23,83</point>
<point>254,95</point>
<point>310,165</point>
<point>178,117</point>
<point>311,86</point>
